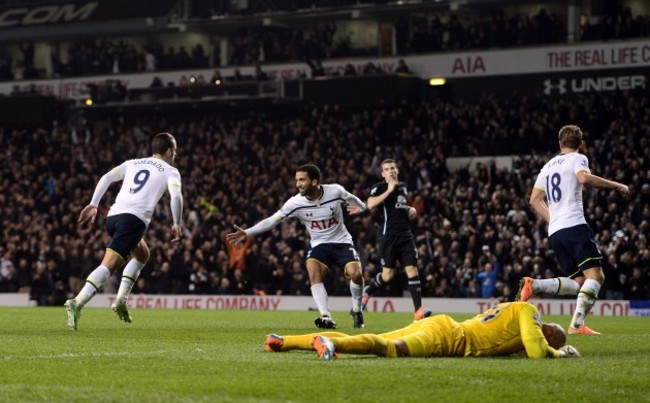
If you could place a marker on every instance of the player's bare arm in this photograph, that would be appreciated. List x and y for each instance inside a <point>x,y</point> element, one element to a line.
<point>176,205</point>
<point>374,201</point>
<point>177,233</point>
<point>238,237</point>
<point>352,209</point>
<point>589,179</point>
<point>538,203</point>
<point>88,213</point>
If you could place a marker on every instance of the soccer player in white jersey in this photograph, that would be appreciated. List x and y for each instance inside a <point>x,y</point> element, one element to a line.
<point>144,181</point>
<point>557,198</point>
<point>319,208</point>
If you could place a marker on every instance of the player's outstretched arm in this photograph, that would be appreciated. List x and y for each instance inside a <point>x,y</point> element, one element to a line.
<point>90,211</point>
<point>176,205</point>
<point>589,179</point>
<point>87,214</point>
<point>177,233</point>
<point>354,204</point>
<point>238,237</point>
<point>353,210</point>
<point>538,203</point>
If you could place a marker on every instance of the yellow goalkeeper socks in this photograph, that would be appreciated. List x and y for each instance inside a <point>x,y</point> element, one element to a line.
<point>304,342</point>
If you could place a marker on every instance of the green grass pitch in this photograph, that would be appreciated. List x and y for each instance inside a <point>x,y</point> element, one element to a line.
<point>218,356</point>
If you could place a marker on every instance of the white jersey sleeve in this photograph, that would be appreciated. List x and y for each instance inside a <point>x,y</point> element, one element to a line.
<point>352,199</point>
<point>559,180</point>
<point>145,181</point>
<point>114,175</point>
<point>269,222</point>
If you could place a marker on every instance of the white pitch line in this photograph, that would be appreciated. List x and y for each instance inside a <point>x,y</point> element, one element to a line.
<point>84,355</point>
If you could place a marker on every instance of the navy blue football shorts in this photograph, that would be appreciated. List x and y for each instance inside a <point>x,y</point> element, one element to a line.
<point>126,231</point>
<point>393,249</point>
<point>333,254</point>
<point>575,249</point>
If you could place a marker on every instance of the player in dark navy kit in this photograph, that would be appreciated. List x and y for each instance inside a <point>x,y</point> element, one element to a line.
<point>394,237</point>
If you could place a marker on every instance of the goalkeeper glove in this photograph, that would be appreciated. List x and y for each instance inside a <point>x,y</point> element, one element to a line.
<point>569,352</point>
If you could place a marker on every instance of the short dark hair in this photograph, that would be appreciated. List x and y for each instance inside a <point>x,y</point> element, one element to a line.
<point>570,136</point>
<point>312,171</point>
<point>162,142</point>
<point>388,161</point>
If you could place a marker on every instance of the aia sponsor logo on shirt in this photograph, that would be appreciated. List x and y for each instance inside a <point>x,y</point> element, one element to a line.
<point>323,224</point>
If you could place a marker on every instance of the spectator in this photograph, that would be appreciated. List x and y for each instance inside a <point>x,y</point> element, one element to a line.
<point>150,62</point>
<point>299,279</point>
<point>8,281</point>
<point>216,78</point>
<point>402,68</point>
<point>280,283</point>
<point>224,287</point>
<point>488,279</point>
<point>260,75</point>
<point>41,284</point>
<point>349,70</point>
<point>316,67</point>
<point>236,76</point>
<point>637,285</point>
<point>156,83</point>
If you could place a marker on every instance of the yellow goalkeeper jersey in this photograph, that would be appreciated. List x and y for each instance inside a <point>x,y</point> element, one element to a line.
<point>507,328</point>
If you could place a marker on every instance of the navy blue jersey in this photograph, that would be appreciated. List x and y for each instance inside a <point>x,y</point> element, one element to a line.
<point>394,211</point>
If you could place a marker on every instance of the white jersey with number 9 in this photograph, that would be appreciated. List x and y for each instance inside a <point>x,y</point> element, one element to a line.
<point>145,180</point>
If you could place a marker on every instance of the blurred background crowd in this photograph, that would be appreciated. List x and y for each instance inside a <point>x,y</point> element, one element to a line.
<point>475,233</point>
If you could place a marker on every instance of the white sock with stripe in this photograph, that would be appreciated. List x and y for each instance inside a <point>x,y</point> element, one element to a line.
<point>357,292</point>
<point>320,297</point>
<point>129,277</point>
<point>557,286</point>
<point>94,283</point>
<point>586,300</point>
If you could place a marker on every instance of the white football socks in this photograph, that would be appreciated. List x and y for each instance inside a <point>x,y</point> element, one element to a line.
<point>586,300</point>
<point>557,286</point>
<point>357,293</point>
<point>320,297</point>
<point>94,283</point>
<point>129,277</point>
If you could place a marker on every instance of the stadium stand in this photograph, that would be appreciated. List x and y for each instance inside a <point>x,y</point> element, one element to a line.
<point>238,165</point>
<point>238,170</point>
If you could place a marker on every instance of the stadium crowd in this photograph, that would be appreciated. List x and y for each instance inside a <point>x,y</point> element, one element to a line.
<point>414,35</point>
<point>475,232</point>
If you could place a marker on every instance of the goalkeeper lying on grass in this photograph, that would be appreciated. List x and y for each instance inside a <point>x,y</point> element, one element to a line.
<point>509,328</point>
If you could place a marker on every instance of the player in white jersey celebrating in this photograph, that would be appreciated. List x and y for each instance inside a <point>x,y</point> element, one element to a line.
<point>144,181</point>
<point>319,208</point>
<point>557,198</point>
